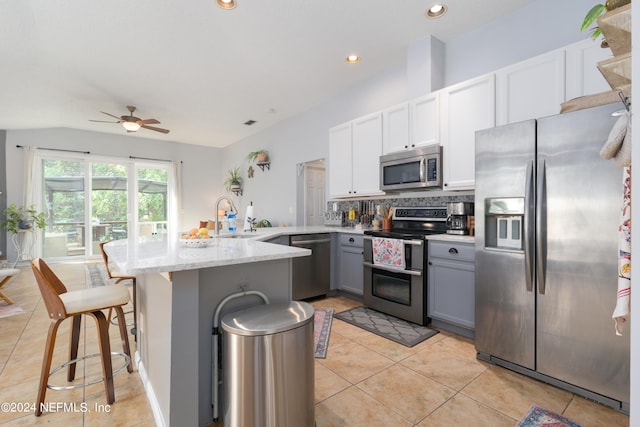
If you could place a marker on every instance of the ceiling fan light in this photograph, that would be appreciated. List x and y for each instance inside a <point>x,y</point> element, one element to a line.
<point>226,4</point>
<point>131,126</point>
<point>436,11</point>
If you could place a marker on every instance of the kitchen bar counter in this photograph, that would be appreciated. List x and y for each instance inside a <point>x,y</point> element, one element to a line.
<point>161,255</point>
<point>178,290</point>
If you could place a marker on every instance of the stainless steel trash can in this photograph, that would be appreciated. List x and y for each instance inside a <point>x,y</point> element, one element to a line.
<point>268,366</point>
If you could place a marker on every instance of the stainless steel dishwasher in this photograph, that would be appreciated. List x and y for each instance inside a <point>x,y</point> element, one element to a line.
<point>311,274</point>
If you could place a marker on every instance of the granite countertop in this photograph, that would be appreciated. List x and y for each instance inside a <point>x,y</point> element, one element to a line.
<point>160,254</point>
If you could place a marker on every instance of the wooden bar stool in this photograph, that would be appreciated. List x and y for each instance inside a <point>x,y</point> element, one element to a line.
<point>5,275</point>
<point>119,278</point>
<point>62,304</point>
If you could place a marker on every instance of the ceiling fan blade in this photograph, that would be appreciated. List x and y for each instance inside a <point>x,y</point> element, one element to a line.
<point>102,121</point>
<point>155,128</point>
<point>148,122</point>
<point>111,115</point>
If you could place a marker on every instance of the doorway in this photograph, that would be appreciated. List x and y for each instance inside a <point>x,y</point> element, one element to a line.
<point>312,182</point>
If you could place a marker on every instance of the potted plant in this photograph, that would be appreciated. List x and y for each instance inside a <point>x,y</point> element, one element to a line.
<point>259,156</point>
<point>595,12</point>
<point>234,180</point>
<point>21,218</point>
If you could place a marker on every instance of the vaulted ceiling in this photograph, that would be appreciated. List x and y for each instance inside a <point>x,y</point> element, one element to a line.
<point>198,69</point>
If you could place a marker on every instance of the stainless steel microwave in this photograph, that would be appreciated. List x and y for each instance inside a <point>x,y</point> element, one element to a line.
<point>419,169</point>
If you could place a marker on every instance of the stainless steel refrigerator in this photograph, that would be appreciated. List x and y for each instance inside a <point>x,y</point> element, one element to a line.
<point>547,208</point>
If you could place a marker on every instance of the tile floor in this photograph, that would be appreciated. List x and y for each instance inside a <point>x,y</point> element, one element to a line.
<point>365,380</point>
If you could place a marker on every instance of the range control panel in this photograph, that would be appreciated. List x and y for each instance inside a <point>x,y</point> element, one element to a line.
<point>429,213</point>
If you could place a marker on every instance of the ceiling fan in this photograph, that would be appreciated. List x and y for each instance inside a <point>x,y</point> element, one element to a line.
<point>132,123</point>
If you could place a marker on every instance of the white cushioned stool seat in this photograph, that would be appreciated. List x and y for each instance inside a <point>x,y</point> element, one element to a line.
<point>95,298</point>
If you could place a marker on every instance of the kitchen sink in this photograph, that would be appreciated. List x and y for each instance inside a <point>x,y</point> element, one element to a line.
<point>236,236</point>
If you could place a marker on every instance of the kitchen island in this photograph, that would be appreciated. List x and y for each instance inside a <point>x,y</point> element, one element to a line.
<point>178,289</point>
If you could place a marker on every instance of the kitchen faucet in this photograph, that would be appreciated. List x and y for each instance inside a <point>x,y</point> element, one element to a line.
<point>233,208</point>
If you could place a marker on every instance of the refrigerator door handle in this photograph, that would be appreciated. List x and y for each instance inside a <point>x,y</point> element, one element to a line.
<point>541,227</point>
<point>529,214</point>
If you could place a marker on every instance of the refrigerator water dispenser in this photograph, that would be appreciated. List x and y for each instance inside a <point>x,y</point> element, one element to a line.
<point>504,220</point>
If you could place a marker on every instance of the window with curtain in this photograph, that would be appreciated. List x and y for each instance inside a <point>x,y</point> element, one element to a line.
<point>92,199</point>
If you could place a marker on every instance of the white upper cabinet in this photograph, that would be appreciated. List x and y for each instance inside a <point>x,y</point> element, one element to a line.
<point>411,124</point>
<point>395,124</point>
<point>466,108</point>
<point>354,157</point>
<point>530,89</point>
<point>582,76</point>
<point>340,160</point>
<point>367,148</point>
<point>450,117</point>
<point>425,120</point>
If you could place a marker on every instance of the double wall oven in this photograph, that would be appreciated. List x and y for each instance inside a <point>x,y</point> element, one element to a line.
<point>401,291</point>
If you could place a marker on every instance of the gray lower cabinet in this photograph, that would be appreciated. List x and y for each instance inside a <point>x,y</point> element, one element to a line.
<point>350,269</point>
<point>451,284</point>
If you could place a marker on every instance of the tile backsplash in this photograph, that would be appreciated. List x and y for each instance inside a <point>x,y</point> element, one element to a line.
<point>394,202</point>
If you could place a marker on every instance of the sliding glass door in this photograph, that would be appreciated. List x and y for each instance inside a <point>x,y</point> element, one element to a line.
<point>64,203</point>
<point>91,200</point>
<point>152,206</point>
<point>108,204</point>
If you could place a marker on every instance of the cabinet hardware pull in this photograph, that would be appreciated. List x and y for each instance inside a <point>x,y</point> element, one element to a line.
<point>453,251</point>
<point>351,239</point>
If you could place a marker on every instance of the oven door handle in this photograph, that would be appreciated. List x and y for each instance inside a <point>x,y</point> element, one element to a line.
<point>406,242</point>
<point>392,269</point>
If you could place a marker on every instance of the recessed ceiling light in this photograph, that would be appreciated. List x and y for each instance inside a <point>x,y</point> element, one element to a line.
<point>352,59</point>
<point>226,4</point>
<point>436,11</point>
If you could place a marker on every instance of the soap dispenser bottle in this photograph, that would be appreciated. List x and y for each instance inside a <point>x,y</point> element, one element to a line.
<point>232,220</point>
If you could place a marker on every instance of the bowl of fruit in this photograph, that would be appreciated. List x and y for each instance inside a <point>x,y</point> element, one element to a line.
<point>195,238</point>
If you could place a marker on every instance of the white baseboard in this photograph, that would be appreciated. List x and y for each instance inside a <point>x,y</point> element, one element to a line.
<point>151,396</point>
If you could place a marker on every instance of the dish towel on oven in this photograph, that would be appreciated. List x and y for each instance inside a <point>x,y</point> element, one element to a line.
<point>622,311</point>
<point>389,252</point>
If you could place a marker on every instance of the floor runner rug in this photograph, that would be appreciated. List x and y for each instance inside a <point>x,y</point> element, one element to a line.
<point>96,275</point>
<point>540,417</point>
<point>389,327</point>
<point>10,310</point>
<point>321,329</point>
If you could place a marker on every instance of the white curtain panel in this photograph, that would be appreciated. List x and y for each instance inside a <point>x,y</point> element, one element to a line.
<point>175,201</point>
<point>28,199</point>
